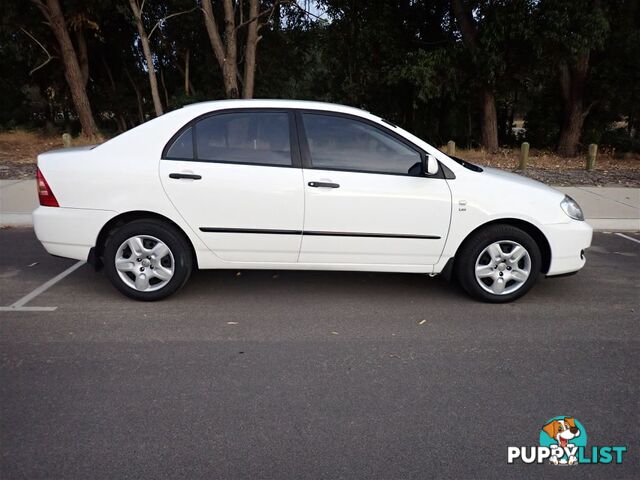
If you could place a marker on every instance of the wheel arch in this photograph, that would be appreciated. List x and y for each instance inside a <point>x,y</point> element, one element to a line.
<point>535,233</point>
<point>96,253</point>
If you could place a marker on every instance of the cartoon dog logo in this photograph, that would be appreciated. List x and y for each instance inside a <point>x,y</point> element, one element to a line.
<point>563,430</point>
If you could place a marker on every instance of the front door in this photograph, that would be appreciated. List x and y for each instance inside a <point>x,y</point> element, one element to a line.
<point>233,178</point>
<point>366,198</point>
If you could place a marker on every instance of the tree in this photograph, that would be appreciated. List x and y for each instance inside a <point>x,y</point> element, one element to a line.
<point>489,117</point>
<point>225,45</point>
<point>570,32</point>
<point>445,73</point>
<point>573,79</point>
<point>136,8</point>
<point>185,53</point>
<point>52,13</point>
<point>614,80</point>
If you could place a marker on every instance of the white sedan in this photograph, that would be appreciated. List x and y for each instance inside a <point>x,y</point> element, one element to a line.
<point>269,184</point>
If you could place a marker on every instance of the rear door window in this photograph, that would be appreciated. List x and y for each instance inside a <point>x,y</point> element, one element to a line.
<point>260,138</point>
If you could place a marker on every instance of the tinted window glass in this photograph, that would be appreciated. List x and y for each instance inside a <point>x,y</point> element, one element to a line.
<point>261,138</point>
<point>182,147</point>
<point>342,143</point>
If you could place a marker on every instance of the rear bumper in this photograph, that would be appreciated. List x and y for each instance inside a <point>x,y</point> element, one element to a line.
<point>568,242</point>
<point>69,232</point>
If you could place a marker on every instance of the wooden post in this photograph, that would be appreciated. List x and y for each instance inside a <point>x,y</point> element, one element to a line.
<point>524,155</point>
<point>591,158</point>
<point>451,147</point>
<point>66,139</point>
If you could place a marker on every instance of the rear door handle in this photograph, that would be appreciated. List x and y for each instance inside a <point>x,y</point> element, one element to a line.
<point>323,184</point>
<point>189,176</point>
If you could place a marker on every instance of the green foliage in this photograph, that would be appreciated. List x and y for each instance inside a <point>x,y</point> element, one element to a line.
<point>570,27</point>
<point>401,59</point>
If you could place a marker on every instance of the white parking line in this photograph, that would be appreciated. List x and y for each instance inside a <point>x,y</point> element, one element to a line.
<point>19,306</point>
<point>628,237</point>
<point>28,309</point>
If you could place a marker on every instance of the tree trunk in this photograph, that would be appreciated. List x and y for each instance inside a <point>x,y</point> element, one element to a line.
<point>489,126</point>
<point>139,102</point>
<point>122,122</point>
<point>511,113</point>
<point>144,39</point>
<point>572,85</point>
<point>112,82</point>
<point>571,131</point>
<point>164,88</point>
<point>83,56</point>
<point>212,31</point>
<point>187,83</point>
<point>72,72</point>
<point>489,120</point>
<point>226,53</point>
<point>225,48</point>
<point>230,72</point>
<point>189,89</point>
<point>138,95</point>
<point>250,50</point>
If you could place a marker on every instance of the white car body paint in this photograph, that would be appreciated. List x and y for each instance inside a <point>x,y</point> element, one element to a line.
<point>126,174</point>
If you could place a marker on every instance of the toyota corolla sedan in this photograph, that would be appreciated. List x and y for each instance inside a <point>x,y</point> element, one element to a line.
<point>270,184</point>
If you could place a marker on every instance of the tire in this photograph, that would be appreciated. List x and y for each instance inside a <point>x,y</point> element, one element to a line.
<point>498,276</point>
<point>154,260</point>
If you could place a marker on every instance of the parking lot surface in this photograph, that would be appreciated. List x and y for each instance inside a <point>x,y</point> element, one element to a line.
<point>263,374</point>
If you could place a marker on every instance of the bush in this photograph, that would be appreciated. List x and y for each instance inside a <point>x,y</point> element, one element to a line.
<point>620,140</point>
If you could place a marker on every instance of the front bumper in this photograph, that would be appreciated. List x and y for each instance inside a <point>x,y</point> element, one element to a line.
<point>69,232</point>
<point>568,241</point>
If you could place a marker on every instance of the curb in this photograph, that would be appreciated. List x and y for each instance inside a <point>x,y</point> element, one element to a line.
<point>16,220</point>
<point>610,224</point>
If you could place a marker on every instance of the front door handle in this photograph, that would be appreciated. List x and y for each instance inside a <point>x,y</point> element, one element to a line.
<point>323,184</point>
<point>189,176</point>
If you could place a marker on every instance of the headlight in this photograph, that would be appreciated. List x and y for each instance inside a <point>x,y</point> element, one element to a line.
<point>571,208</point>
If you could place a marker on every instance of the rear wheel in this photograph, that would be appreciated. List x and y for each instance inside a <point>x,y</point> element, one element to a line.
<point>498,264</point>
<point>147,260</point>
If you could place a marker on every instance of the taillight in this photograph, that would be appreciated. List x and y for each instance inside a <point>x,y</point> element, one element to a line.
<point>45,195</point>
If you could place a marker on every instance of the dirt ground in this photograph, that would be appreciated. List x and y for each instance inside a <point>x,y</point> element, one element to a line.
<point>19,148</point>
<point>547,167</point>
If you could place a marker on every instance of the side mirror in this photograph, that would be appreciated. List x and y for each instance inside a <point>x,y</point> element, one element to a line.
<point>430,165</point>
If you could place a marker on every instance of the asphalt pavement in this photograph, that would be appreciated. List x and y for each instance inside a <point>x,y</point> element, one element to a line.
<point>277,375</point>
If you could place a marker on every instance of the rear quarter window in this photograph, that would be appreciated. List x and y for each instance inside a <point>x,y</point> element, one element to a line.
<point>182,147</point>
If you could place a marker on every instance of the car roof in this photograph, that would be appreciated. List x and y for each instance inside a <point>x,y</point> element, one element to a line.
<point>274,103</point>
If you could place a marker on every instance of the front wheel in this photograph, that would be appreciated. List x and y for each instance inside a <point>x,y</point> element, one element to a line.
<point>498,264</point>
<point>147,260</point>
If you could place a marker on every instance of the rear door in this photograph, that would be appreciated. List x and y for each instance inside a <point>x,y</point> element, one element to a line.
<point>367,200</point>
<point>234,177</point>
